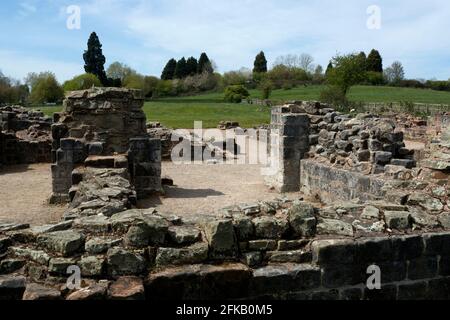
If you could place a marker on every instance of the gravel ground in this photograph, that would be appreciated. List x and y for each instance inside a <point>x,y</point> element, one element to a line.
<point>24,191</point>
<point>24,194</point>
<point>208,188</point>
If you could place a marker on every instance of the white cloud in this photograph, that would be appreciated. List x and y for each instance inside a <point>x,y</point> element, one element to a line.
<point>26,8</point>
<point>146,33</point>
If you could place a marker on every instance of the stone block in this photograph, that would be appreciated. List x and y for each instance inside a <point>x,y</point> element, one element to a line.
<point>412,291</point>
<point>66,242</point>
<point>333,252</point>
<point>397,219</point>
<point>221,238</point>
<point>422,268</point>
<point>199,282</point>
<point>92,266</point>
<point>12,287</point>
<point>270,227</point>
<point>127,288</point>
<point>386,293</point>
<point>124,262</point>
<point>197,253</point>
<point>284,278</point>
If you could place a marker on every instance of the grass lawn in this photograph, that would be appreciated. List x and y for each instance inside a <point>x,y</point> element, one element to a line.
<point>181,112</point>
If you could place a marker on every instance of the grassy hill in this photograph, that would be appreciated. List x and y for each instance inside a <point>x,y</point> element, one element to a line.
<point>181,112</point>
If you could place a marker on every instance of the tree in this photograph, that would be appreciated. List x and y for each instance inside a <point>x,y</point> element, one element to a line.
<point>169,70</point>
<point>395,73</point>
<point>117,70</point>
<point>363,57</point>
<point>94,59</point>
<point>134,81</point>
<point>289,60</point>
<point>191,66</point>
<point>151,84</point>
<point>374,62</point>
<point>348,71</point>
<point>329,68</point>
<point>204,64</point>
<point>181,68</point>
<point>306,62</point>
<point>260,64</point>
<point>45,88</point>
<point>318,76</point>
<point>81,82</point>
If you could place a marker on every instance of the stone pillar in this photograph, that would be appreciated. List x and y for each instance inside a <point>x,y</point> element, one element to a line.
<point>289,144</point>
<point>144,159</point>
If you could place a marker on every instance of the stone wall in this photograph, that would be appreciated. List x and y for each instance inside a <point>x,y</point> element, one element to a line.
<point>414,108</point>
<point>24,136</point>
<point>104,128</point>
<point>268,250</point>
<point>364,144</point>
<point>332,184</point>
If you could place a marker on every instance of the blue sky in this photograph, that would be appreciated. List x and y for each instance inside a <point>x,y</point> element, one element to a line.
<point>145,34</point>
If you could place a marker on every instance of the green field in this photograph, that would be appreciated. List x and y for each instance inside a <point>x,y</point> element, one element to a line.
<point>183,111</point>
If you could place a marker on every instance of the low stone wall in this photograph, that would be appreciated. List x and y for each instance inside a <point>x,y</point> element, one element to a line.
<point>24,136</point>
<point>415,108</point>
<point>334,184</point>
<point>280,249</point>
<point>412,267</point>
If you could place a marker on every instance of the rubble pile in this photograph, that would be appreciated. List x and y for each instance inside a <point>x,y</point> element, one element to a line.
<point>365,143</point>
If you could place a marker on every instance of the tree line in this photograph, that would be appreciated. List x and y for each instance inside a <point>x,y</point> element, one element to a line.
<point>192,75</point>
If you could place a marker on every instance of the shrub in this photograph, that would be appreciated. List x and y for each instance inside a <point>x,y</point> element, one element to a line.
<point>235,94</point>
<point>375,78</point>
<point>335,96</point>
<point>282,76</point>
<point>410,84</point>
<point>81,82</point>
<point>266,88</point>
<point>438,85</point>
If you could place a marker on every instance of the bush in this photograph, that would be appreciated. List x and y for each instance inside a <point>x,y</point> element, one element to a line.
<point>235,94</point>
<point>81,82</point>
<point>164,88</point>
<point>438,85</point>
<point>335,96</point>
<point>410,84</point>
<point>375,78</point>
<point>282,76</point>
<point>45,88</point>
<point>266,89</point>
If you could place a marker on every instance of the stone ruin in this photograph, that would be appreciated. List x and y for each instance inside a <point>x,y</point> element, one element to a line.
<point>24,136</point>
<point>385,208</point>
<point>103,128</point>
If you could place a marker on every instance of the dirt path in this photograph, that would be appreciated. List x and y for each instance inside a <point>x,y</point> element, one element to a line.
<point>208,188</point>
<point>24,191</point>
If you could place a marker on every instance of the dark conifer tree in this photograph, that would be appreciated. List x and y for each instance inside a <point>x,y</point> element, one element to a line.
<point>180,70</point>
<point>204,64</point>
<point>374,61</point>
<point>169,70</point>
<point>191,66</point>
<point>260,65</point>
<point>94,60</point>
